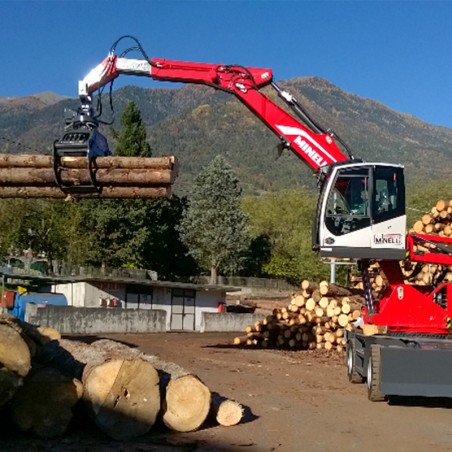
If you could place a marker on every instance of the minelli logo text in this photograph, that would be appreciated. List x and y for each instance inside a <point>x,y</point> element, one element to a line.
<point>388,239</point>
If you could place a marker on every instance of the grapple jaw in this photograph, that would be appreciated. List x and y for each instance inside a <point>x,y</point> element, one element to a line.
<point>80,138</point>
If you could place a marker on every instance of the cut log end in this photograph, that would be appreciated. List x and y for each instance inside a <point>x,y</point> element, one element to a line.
<point>186,404</point>
<point>229,413</point>
<point>123,396</point>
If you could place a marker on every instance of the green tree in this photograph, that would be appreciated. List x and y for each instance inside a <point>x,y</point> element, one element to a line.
<point>131,140</point>
<point>164,250</point>
<point>117,229</point>
<point>285,218</point>
<point>214,227</point>
<point>138,233</point>
<point>40,226</point>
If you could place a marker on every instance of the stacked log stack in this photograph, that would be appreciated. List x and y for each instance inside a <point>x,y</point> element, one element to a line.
<point>45,379</point>
<point>315,319</point>
<point>33,176</point>
<point>437,222</point>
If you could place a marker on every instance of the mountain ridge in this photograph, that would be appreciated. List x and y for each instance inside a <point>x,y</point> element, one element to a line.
<point>195,123</point>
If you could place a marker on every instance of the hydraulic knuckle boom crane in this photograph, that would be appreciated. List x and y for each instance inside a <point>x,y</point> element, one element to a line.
<point>360,215</point>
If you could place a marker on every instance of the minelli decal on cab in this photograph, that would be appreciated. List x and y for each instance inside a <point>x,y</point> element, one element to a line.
<point>388,239</point>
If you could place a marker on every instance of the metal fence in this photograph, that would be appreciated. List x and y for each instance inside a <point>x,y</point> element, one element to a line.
<point>257,283</point>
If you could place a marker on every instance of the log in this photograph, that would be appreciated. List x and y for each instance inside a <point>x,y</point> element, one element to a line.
<point>45,161</point>
<point>9,383</point>
<point>418,227</point>
<point>44,404</point>
<point>104,177</point>
<point>298,301</point>
<point>123,397</point>
<point>186,399</point>
<point>441,205</point>
<point>15,355</point>
<point>121,390</point>
<point>308,286</point>
<point>106,192</point>
<point>310,304</point>
<point>343,320</point>
<point>186,403</point>
<point>227,412</point>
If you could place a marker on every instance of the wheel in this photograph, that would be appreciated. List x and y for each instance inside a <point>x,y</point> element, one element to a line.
<point>373,375</point>
<point>352,373</point>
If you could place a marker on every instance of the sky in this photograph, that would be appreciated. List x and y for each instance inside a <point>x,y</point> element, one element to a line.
<point>396,52</point>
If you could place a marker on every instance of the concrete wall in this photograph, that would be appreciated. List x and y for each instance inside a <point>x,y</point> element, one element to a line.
<point>228,321</point>
<point>85,294</point>
<point>72,320</point>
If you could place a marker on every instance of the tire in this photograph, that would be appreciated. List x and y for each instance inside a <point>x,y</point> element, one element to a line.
<point>350,362</point>
<point>374,375</point>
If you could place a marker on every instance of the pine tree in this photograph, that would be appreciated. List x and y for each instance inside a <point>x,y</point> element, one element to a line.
<point>131,140</point>
<point>214,227</point>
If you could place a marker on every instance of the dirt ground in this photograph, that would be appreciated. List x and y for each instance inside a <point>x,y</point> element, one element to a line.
<point>295,401</point>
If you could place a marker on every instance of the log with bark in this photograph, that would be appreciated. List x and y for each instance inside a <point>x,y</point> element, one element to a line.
<point>121,391</point>
<point>46,161</point>
<point>44,404</point>
<point>112,376</point>
<point>33,176</point>
<point>106,192</point>
<point>315,318</point>
<point>227,412</point>
<point>104,177</point>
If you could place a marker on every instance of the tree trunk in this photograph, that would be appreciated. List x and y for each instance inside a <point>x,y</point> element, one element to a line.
<point>213,275</point>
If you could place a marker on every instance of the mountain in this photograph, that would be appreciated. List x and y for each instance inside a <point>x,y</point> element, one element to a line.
<point>195,123</point>
<point>36,101</point>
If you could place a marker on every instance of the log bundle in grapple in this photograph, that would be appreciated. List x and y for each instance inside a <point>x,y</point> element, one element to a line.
<point>37,176</point>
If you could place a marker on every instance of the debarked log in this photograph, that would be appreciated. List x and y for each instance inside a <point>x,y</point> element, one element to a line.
<point>105,192</point>
<point>103,176</point>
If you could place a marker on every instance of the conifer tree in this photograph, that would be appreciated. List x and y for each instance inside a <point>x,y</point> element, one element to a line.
<point>131,140</point>
<point>214,227</point>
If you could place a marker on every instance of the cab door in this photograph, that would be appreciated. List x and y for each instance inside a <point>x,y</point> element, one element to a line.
<point>388,211</point>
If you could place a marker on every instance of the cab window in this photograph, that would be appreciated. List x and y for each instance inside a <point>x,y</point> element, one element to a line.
<point>348,206</point>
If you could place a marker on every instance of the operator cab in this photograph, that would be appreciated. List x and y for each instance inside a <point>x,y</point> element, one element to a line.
<point>361,212</point>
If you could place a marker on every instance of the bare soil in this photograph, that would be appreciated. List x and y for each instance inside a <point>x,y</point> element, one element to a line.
<point>295,401</point>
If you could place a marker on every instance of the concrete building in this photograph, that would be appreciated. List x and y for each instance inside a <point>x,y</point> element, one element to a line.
<point>183,303</point>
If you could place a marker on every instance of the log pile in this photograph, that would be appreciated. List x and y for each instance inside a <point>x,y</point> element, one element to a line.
<point>45,380</point>
<point>437,222</point>
<point>315,319</point>
<point>33,176</point>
